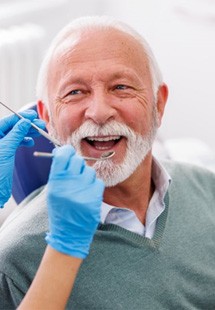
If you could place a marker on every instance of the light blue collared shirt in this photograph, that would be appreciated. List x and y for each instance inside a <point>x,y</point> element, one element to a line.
<point>127,218</point>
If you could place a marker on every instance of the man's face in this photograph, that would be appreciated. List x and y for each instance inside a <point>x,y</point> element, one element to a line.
<point>103,85</point>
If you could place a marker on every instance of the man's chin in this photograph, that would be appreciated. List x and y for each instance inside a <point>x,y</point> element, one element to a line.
<point>112,174</point>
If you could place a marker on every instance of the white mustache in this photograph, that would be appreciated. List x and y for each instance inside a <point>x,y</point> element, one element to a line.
<point>90,129</point>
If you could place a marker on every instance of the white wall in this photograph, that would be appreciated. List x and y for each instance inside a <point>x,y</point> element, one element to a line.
<point>182,36</point>
<point>26,29</point>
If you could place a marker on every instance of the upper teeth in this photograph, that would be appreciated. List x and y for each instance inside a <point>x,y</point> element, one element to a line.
<point>103,138</point>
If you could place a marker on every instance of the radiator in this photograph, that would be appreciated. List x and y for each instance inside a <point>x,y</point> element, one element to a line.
<point>21,51</point>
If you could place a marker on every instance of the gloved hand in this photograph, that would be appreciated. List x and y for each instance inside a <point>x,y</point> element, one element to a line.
<point>13,133</point>
<point>74,200</point>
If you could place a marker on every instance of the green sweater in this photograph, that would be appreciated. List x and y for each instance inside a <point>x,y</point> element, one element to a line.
<point>174,270</point>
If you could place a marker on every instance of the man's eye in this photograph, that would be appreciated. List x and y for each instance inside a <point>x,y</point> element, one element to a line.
<point>121,86</point>
<point>75,92</point>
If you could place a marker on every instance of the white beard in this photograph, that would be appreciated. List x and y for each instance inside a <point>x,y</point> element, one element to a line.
<point>137,148</point>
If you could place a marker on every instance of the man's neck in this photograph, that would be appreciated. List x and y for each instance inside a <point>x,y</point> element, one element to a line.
<point>135,192</point>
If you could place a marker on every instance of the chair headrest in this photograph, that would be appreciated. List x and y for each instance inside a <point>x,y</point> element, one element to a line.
<point>30,172</point>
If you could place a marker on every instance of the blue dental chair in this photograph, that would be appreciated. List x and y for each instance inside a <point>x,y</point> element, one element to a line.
<point>31,172</point>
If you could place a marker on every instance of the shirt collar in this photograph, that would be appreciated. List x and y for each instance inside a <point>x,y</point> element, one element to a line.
<point>161,179</point>
<point>105,209</point>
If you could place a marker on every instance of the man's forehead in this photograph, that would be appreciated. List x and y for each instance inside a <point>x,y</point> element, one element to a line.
<point>109,74</point>
<point>97,40</point>
<point>96,51</point>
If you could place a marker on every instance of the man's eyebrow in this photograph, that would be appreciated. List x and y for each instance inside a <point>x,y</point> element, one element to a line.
<point>74,80</point>
<point>125,74</point>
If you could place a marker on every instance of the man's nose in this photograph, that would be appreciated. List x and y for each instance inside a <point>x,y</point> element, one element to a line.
<point>100,108</point>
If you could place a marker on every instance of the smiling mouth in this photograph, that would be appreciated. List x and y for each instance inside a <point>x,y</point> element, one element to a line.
<point>103,143</point>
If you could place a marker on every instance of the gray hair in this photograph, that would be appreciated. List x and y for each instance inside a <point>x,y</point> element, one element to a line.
<point>95,22</point>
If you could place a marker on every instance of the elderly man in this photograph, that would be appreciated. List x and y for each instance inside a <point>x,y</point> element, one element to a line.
<point>100,89</point>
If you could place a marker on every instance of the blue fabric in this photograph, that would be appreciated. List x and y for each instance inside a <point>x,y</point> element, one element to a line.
<point>30,172</point>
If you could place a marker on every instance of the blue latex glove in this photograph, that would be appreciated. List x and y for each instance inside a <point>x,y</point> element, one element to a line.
<point>13,132</point>
<point>74,201</point>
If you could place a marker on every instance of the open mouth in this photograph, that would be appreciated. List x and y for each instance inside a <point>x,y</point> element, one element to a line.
<point>103,143</point>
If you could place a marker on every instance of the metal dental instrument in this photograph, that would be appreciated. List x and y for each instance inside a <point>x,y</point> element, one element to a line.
<point>105,155</point>
<point>41,131</point>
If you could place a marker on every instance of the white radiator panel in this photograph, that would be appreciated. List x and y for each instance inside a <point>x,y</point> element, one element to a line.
<point>21,51</point>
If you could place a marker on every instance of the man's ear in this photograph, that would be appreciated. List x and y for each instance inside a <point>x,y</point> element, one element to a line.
<point>43,111</point>
<point>162,96</point>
